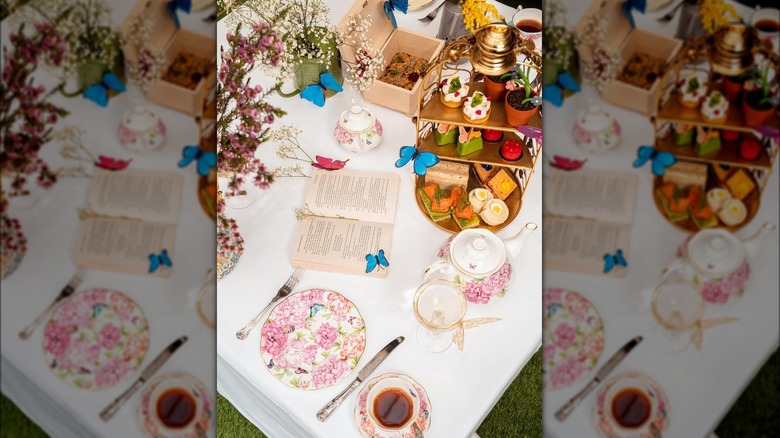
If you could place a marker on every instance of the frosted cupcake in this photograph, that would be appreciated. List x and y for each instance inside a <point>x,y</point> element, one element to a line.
<point>733,212</point>
<point>478,198</point>
<point>691,91</point>
<point>476,108</point>
<point>495,212</point>
<point>452,92</point>
<point>715,108</point>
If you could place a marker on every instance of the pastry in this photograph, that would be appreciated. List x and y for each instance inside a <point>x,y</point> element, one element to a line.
<point>511,150</point>
<point>437,202</point>
<point>715,107</point>
<point>707,141</point>
<point>485,172</point>
<point>691,91</point>
<point>452,92</point>
<point>492,135</point>
<point>476,108</point>
<point>445,134</point>
<point>495,212</point>
<point>478,198</point>
<point>749,149</point>
<point>740,185</point>
<point>469,141</point>
<point>717,197</point>
<point>683,134</point>
<point>448,174</point>
<point>733,212</point>
<point>463,211</point>
<point>721,170</point>
<point>501,184</point>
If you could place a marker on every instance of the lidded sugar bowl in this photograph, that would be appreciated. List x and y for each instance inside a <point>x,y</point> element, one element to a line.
<point>141,130</point>
<point>358,129</point>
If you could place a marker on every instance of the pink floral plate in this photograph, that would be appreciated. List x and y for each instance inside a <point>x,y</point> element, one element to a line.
<point>573,338</point>
<point>312,339</point>
<point>365,423</point>
<point>147,416</point>
<point>608,428</point>
<point>95,339</point>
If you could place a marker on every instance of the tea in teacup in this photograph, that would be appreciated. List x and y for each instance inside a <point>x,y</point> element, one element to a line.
<point>631,408</point>
<point>393,408</point>
<point>176,407</point>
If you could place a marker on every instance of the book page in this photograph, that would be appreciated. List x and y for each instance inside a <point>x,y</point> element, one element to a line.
<point>366,196</point>
<point>151,196</point>
<point>604,196</point>
<point>120,245</point>
<point>577,245</point>
<point>341,245</point>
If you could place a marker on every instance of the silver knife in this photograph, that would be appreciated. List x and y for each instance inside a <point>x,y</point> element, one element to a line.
<point>150,369</point>
<point>602,373</point>
<point>66,291</point>
<point>325,412</point>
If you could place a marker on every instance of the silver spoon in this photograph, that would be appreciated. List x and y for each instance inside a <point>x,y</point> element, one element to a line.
<point>431,15</point>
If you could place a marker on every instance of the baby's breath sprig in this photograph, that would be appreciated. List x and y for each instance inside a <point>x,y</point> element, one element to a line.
<point>293,171</point>
<point>305,212</point>
<point>290,147</point>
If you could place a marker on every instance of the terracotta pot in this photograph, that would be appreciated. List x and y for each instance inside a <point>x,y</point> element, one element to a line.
<point>516,117</point>
<point>494,91</point>
<point>755,116</point>
<point>731,88</point>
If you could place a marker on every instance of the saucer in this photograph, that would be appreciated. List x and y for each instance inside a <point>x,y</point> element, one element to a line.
<point>152,427</point>
<point>95,338</point>
<point>573,338</point>
<point>366,425</point>
<point>607,428</point>
<point>312,339</point>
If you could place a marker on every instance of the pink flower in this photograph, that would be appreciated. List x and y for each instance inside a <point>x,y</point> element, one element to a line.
<point>109,336</point>
<point>296,354</point>
<point>312,296</point>
<point>713,293</point>
<point>566,373</point>
<point>590,347</point>
<point>111,372</point>
<point>122,305</point>
<point>548,353</point>
<point>475,292</point>
<point>56,339</point>
<point>136,347</point>
<point>292,312</point>
<point>353,347</point>
<point>339,306</point>
<point>552,296</point>
<point>273,339</point>
<point>580,135</point>
<point>564,336</point>
<point>577,305</point>
<point>326,336</point>
<point>328,372</point>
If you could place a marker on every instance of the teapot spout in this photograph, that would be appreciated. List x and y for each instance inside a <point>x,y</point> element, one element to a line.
<point>753,243</point>
<point>515,244</point>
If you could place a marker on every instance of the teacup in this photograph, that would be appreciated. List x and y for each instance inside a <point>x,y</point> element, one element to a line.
<point>630,406</point>
<point>174,406</point>
<point>393,404</point>
<point>766,21</point>
<point>529,22</point>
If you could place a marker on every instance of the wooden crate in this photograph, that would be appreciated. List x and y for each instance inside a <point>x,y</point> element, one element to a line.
<point>391,41</point>
<point>172,41</point>
<point>628,41</point>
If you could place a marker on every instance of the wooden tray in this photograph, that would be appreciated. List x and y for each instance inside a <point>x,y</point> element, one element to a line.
<point>514,202</point>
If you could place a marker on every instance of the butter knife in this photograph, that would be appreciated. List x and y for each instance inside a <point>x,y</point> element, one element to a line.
<point>325,412</point>
<point>150,369</point>
<point>66,291</point>
<point>601,374</point>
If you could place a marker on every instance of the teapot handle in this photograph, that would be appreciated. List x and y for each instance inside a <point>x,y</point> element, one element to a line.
<point>287,95</point>
<point>440,266</point>
<point>677,266</point>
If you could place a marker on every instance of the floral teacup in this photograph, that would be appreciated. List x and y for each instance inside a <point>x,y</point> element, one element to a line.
<point>392,404</point>
<point>175,405</point>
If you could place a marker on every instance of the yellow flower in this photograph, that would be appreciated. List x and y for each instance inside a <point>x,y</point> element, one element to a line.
<point>477,13</point>
<point>716,13</point>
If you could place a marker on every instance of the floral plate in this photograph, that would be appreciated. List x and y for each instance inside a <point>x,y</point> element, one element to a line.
<point>95,339</point>
<point>9,261</point>
<point>606,428</point>
<point>573,338</point>
<point>366,425</point>
<point>152,427</point>
<point>312,339</point>
<point>226,264</point>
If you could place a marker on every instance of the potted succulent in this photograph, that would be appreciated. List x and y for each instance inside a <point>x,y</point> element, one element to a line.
<point>732,86</point>
<point>521,101</point>
<point>495,86</point>
<point>759,100</point>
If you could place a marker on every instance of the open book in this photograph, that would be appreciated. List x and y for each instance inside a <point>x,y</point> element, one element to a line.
<point>588,214</point>
<point>349,220</point>
<point>130,215</point>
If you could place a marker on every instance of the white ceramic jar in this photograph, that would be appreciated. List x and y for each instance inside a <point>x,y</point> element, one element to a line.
<point>358,130</point>
<point>141,130</point>
<point>596,130</point>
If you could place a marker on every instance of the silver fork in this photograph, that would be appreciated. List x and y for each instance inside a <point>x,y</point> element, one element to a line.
<point>283,292</point>
<point>670,15</point>
<point>431,15</point>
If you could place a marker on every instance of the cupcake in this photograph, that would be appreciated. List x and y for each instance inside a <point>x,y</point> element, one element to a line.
<point>495,212</point>
<point>733,212</point>
<point>476,108</point>
<point>715,108</point>
<point>452,92</point>
<point>717,197</point>
<point>691,91</point>
<point>478,198</point>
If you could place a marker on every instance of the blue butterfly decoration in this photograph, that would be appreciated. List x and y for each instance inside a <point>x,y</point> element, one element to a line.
<point>553,93</point>
<point>374,260</point>
<point>395,5</point>
<point>315,93</point>
<point>206,159</point>
<point>630,5</point>
<point>98,93</point>
<point>314,309</point>
<point>173,5</point>
<point>552,308</point>
<point>612,260</point>
<point>422,160</point>
<point>97,308</point>
<point>661,160</point>
<point>157,260</point>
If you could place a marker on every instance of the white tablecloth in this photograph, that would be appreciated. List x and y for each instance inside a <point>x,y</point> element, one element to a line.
<point>51,225</point>
<point>701,385</point>
<point>463,385</point>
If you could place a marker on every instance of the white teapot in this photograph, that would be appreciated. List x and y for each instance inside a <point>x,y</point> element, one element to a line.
<point>358,130</point>
<point>715,261</point>
<point>141,130</point>
<point>479,262</point>
<point>596,130</point>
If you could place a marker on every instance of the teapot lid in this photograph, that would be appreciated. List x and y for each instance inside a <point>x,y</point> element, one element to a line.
<point>479,253</point>
<point>715,252</point>
<point>140,118</point>
<point>595,119</point>
<point>357,119</point>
